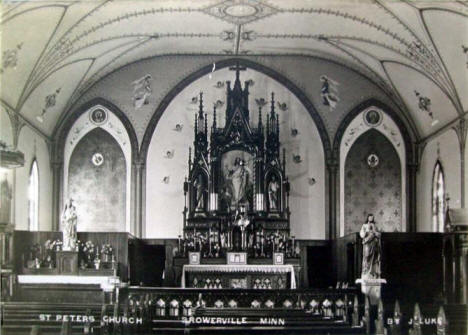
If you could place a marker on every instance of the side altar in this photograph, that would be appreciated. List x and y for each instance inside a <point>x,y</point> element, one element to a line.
<point>237,195</point>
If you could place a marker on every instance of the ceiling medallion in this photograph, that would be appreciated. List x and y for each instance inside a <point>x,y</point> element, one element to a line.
<point>240,11</point>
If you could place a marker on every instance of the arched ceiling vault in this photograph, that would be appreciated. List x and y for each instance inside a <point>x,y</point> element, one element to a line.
<point>416,51</point>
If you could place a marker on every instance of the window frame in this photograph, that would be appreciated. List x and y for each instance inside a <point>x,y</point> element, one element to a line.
<point>438,201</point>
<point>33,222</point>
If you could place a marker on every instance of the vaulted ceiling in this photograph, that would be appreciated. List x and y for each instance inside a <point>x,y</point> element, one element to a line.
<point>416,51</point>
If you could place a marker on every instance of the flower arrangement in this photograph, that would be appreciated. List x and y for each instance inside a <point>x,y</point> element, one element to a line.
<point>107,249</point>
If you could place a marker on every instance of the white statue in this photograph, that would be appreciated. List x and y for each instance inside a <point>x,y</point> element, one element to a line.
<point>273,190</point>
<point>239,179</point>
<point>69,222</point>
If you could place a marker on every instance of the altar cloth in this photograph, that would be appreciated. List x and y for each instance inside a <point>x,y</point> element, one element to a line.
<point>105,282</point>
<point>248,268</point>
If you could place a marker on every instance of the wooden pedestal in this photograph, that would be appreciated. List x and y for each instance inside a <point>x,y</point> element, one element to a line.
<point>67,262</point>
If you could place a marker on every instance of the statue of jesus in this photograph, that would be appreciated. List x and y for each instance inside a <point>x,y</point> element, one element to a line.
<point>371,249</point>
<point>69,222</point>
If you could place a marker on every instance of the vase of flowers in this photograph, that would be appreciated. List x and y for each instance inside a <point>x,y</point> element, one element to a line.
<point>89,251</point>
<point>106,251</point>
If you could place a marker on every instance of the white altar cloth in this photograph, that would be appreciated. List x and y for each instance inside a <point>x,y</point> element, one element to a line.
<point>107,283</point>
<point>248,268</point>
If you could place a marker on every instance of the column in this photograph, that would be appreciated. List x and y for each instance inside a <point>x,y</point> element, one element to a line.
<point>332,169</point>
<point>139,189</point>
<point>57,172</point>
<point>412,169</point>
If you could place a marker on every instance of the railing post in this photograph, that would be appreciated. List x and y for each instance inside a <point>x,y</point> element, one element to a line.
<point>442,322</point>
<point>366,317</point>
<point>355,316</point>
<point>417,321</point>
<point>379,322</point>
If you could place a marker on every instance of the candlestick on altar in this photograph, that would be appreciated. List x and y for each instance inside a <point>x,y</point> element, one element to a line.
<point>209,242</point>
<point>178,242</point>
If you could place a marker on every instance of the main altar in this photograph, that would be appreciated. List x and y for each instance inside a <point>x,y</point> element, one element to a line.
<point>236,212</point>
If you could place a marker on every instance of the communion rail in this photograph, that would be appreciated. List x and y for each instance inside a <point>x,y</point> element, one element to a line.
<point>141,310</point>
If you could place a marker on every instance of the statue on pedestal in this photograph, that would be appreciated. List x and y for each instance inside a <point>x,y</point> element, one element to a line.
<point>371,249</point>
<point>69,222</point>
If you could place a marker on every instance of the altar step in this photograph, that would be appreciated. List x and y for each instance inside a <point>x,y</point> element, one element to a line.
<point>19,317</point>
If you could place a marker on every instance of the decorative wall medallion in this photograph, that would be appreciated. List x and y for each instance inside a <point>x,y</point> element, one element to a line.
<point>97,159</point>
<point>10,57</point>
<point>219,84</point>
<point>294,132</point>
<point>240,11</point>
<point>297,159</point>
<point>373,161</point>
<point>329,92</point>
<point>98,116</point>
<point>312,181</point>
<point>169,154</point>
<point>282,106</point>
<point>194,100</point>
<point>250,82</point>
<point>373,118</point>
<point>178,127</point>
<point>261,102</point>
<point>218,103</point>
<point>166,180</point>
<point>142,91</point>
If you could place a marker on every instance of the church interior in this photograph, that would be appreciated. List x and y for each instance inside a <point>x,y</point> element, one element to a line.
<point>233,166</point>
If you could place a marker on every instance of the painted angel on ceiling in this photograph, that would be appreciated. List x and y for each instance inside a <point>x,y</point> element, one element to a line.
<point>142,91</point>
<point>329,92</point>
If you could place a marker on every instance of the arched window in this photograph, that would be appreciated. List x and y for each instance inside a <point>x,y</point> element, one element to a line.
<point>33,197</point>
<point>438,198</point>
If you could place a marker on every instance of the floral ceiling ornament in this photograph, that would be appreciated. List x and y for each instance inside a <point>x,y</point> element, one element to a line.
<point>10,58</point>
<point>50,102</point>
<point>240,11</point>
<point>465,51</point>
<point>329,92</point>
<point>228,35</point>
<point>424,105</point>
<point>142,91</point>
